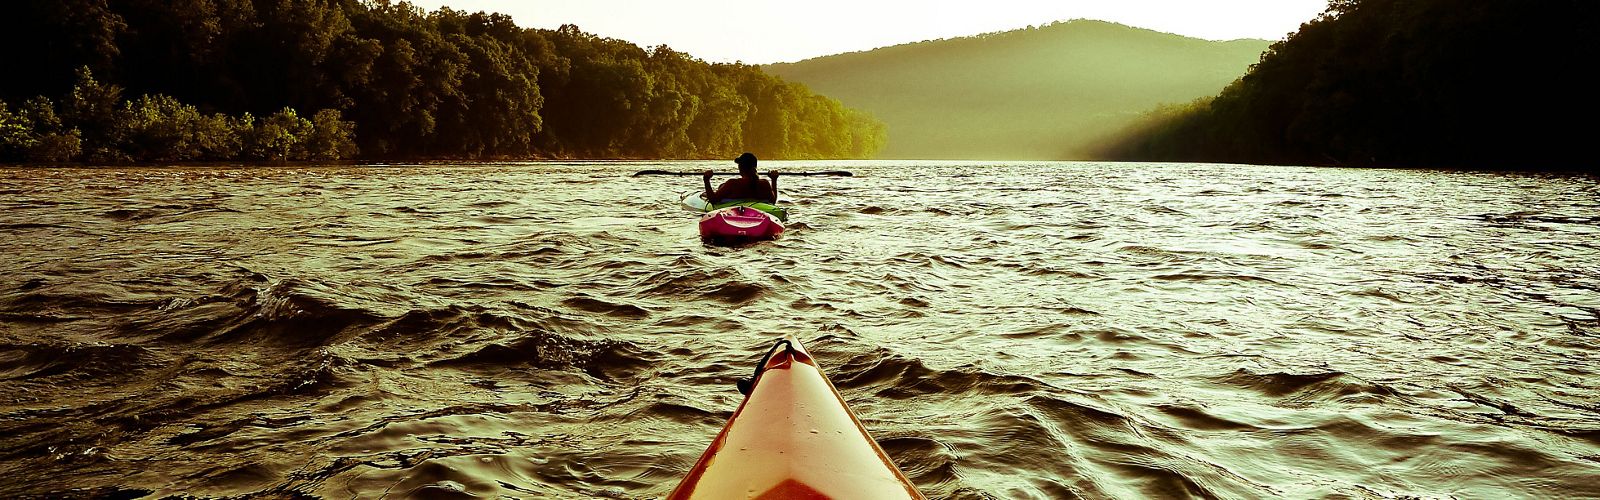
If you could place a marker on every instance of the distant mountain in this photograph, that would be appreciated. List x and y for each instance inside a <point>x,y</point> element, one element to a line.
<point>1038,93</point>
<point>1434,83</point>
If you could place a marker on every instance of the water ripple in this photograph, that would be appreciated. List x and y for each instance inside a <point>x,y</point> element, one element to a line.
<point>1006,330</point>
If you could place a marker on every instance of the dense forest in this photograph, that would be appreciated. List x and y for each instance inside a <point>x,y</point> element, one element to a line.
<point>1049,92</point>
<point>1437,83</point>
<point>174,80</point>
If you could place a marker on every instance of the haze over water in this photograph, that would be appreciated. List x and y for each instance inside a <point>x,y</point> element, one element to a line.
<point>1006,330</point>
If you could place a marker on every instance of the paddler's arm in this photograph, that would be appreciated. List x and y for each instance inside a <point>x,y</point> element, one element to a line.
<point>711,196</point>
<point>773,174</point>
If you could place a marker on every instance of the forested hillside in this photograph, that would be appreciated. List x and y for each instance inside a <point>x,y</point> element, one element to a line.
<point>1437,83</point>
<point>1049,92</point>
<point>160,80</point>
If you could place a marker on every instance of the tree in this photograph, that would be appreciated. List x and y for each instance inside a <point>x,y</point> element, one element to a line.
<point>331,137</point>
<point>224,79</point>
<point>1405,83</point>
<point>279,137</point>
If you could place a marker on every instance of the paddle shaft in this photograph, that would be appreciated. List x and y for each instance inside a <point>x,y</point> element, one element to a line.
<point>840,173</point>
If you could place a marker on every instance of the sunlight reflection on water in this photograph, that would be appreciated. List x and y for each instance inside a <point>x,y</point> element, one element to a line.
<point>1004,329</point>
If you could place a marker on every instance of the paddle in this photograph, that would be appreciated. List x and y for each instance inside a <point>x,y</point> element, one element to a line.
<point>840,173</point>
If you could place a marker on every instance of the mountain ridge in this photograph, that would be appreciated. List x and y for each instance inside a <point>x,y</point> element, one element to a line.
<point>1252,41</point>
<point>1043,92</point>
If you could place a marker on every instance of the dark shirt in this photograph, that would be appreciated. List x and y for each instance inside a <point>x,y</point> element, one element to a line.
<point>743,189</point>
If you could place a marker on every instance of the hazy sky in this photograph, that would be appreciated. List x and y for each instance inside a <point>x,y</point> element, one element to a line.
<point>763,31</point>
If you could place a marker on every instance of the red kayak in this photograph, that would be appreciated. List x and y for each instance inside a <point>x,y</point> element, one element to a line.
<point>739,224</point>
<point>793,437</point>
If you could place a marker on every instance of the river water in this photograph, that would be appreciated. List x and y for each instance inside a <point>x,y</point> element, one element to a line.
<point>1007,330</point>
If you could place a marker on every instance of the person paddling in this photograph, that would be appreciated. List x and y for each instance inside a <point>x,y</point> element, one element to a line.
<point>748,186</point>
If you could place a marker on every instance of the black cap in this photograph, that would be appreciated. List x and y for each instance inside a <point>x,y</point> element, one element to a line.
<point>746,159</point>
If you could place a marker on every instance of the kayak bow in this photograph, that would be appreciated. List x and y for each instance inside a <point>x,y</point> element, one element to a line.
<point>793,437</point>
<point>736,222</point>
<point>738,225</point>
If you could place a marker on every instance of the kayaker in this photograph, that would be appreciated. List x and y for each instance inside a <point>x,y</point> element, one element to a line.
<point>749,185</point>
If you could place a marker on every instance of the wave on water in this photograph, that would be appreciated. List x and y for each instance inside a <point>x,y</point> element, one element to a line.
<point>1048,330</point>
